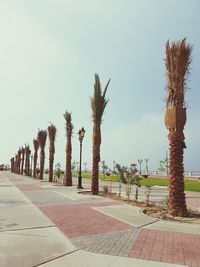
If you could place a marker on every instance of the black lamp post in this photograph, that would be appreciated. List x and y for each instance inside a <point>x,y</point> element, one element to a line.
<point>147,169</point>
<point>81,134</point>
<point>140,162</point>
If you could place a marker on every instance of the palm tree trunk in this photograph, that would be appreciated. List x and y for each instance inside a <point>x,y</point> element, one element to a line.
<point>96,158</point>
<point>19,162</point>
<point>35,164</point>
<point>68,180</point>
<point>177,203</point>
<point>12,164</point>
<point>22,167</point>
<point>26,164</point>
<point>42,158</point>
<point>51,160</point>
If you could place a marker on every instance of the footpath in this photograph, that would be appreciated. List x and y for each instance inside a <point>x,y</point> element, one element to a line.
<point>45,224</point>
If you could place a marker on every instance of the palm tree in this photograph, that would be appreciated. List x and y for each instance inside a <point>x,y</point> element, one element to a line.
<point>98,104</point>
<point>42,136</point>
<point>69,131</point>
<point>36,146</point>
<point>15,164</point>
<point>52,135</point>
<point>19,160</point>
<point>12,160</point>
<point>26,171</point>
<point>178,59</point>
<point>22,165</point>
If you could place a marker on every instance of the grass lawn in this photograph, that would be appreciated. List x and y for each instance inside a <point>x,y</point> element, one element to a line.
<point>189,185</point>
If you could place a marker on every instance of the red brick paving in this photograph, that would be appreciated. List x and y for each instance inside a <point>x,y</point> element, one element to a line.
<point>26,187</point>
<point>80,219</point>
<point>170,247</point>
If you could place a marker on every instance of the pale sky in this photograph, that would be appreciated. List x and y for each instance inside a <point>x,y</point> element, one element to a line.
<point>49,52</point>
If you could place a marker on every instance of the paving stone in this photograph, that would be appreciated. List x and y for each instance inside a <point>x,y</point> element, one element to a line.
<point>112,243</point>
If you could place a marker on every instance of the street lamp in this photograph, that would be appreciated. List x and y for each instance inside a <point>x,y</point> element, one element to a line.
<point>114,166</point>
<point>81,134</point>
<point>147,170</point>
<point>140,162</point>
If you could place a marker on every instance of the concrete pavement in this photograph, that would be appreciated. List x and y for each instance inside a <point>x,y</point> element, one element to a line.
<point>43,224</point>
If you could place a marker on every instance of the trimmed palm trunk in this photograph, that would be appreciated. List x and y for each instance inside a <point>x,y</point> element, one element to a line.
<point>12,161</point>
<point>178,59</point>
<point>16,163</point>
<point>27,160</point>
<point>19,160</point>
<point>35,157</point>
<point>52,136</point>
<point>69,130</point>
<point>42,136</point>
<point>98,104</point>
<point>22,165</point>
<point>29,154</point>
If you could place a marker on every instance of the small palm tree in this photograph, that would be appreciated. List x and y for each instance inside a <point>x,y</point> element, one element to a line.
<point>52,135</point>
<point>69,132</point>
<point>22,165</point>
<point>178,59</point>
<point>42,136</point>
<point>27,160</point>
<point>15,165</point>
<point>12,161</point>
<point>36,147</point>
<point>19,160</point>
<point>98,104</point>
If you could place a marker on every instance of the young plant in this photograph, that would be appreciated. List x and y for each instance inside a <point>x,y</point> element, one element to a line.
<point>147,193</point>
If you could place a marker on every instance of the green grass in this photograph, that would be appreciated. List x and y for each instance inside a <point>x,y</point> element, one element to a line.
<point>189,185</point>
<point>154,181</point>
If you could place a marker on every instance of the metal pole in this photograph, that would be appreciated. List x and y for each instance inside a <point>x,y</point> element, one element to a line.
<point>80,177</point>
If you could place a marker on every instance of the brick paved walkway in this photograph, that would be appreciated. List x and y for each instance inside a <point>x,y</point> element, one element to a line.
<point>24,187</point>
<point>80,219</point>
<point>171,247</point>
<point>117,243</point>
<point>93,231</point>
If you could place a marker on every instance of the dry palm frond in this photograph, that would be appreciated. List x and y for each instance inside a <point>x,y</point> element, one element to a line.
<point>52,132</point>
<point>35,144</point>
<point>69,126</point>
<point>42,135</point>
<point>178,59</point>
<point>98,101</point>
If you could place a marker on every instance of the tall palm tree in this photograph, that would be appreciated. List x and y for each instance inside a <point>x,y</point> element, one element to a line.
<point>69,132</point>
<point>178,59</point>
<point>36,146</point>
<point>12,160</point>
<point>52,135</point>
<point>42,136</point>
<point>19,160</point>
<point>22,165</point>
<point>27,160</point>
<point>16,162</point>
<point>98,104</point>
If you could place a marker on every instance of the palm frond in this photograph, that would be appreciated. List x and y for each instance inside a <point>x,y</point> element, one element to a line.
<point>35,144</point>
<point>42,135</point>
<point>178,60</point>
<point>52,132</point>
<point>68,123</point>
<point>98,101</point>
